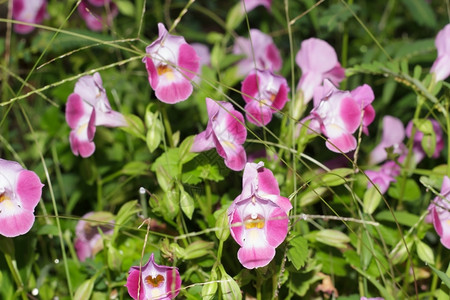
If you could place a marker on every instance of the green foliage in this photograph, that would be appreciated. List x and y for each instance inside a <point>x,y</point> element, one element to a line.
<point>161,198</point>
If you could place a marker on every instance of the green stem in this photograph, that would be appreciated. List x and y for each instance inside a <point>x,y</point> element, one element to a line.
<point>13,268</point>
<point>167,126</point>
<point>99,194</point>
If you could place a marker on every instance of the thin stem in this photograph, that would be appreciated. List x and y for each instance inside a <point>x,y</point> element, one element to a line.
<point>167,126</point>
<point>13,268</point>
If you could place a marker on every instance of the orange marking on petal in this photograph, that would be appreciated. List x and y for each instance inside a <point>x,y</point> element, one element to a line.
<point>3,197</point>
<point>257,222</point>
<point>165,70</point>
<point>155,282</point>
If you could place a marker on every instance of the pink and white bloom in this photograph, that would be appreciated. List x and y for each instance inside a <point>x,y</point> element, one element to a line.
<point>251,4</point>
<point>439,213</point>
<point>260,53</point>
<point>318,61</point>
<point>364,96</point>
<point>384,176</point>
<point>393,135</point>
<point>171,65</point>
<point>226,132</point>
<point>441,66</point>
<point>88,241</point>
<point>20,192</point>
<point>264,93</point>
<point>337,116</point>
<point>153,281</point>
<point>258,217</point>
<point>95,16</point>
<point>419,152</point>
<point>87,108</point>
<point>29,11</point>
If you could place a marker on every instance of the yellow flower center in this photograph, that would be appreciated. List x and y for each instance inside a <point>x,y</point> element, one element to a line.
<point>254,221</point>
<point>165,70</point>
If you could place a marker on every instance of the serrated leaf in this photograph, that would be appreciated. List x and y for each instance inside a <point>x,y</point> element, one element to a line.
<point>298,251</point>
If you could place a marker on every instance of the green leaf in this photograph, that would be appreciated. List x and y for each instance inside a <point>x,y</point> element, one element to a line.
<point>403,217</point>
<point>186,203</point>
<point>48,229</point>
<point>135,126</point>
<point>209,290</point>
<point>444,277</point>
<point>371,200</point>
<point>336,176</point>
<point>229,287</point>
<point>154,135</point>
<point>399,254</point>
<point>298,251</point>
<point>424,252</point>
<point>126,8</point>
<point>84,291</point>
<point>185,150</point>
<point>235,16</point>
<point>421,12</point>
<point>223,230</point>
<point>127,210</point>
<point>198,249</point>
<point>411,190</point>
<point>135,168</point>
<point>332,238</point>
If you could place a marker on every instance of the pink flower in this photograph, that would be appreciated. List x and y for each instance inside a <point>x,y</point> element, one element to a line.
<point>384,176</point>
<point>364,96</point>
<point>258,217</point>
<point>376,298</point>
<point>91,12</point>
<point>29,11</point>
<point>393,135</point>
<point>87,108</point>
<point>264,93</point>
<point>251,4</point>
<point>260,51</point>
<point>88,241</point>
<point>419,152</point>
<point>318,61</point>
<point>439,213</point>
<point>153,281</point>
<point>337,116</point>
<point>20,192</point>
<point>171,65</point>
<point>204,58</point>
<point>226,132</point>
<point>441,66</point>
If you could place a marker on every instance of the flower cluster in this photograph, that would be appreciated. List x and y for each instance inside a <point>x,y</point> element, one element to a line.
<point>86,108</point>
<point>20,192</point>
<point>153,281</point>
<point>392,138</point>
<point>258,217</point>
